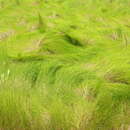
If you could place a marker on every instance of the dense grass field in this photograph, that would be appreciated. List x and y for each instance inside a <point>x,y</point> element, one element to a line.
<point>64,64</point>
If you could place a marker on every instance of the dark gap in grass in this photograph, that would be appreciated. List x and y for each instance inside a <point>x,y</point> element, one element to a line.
<point>128,26</point>
<point>50,51</point>
<point>104,10</point>
<point>32,73</point>
<point>26,59</point>
<point>126,40</point>
<point>73,26</point>
<point>72,40</point>
<point>52,72</point>
<point>111,1</point>
<point>119,33</point>
<point>119,81</point>
<point>17,2</point>
<point>41,25</point>
<point>2,4</point>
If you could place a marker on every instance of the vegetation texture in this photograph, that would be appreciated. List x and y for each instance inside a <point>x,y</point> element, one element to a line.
<point>64,64</point>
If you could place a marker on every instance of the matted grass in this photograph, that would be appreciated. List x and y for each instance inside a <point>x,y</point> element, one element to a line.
<point>64,65</point>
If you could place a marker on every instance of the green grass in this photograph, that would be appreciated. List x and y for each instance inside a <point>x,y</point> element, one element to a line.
<point>64,65</point>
